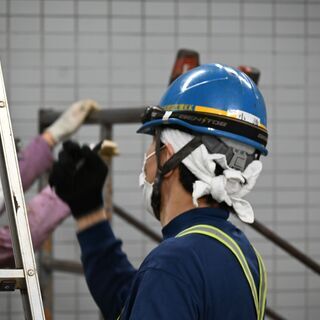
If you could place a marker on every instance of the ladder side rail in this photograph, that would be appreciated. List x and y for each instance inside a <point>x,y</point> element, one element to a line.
<point>17,212</point>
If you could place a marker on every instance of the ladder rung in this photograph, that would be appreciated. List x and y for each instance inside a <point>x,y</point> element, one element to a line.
<point>11,279</point>
<point>11,274</point>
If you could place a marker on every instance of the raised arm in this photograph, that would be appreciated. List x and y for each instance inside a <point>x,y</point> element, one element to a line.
<point>108,272</point>
<point>78,179</point>
<point>37,158</point>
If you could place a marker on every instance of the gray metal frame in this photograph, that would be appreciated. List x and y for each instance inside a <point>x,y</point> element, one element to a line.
<point>109,117</point>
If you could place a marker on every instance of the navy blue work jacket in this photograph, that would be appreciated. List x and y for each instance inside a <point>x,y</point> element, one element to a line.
<point>189,278</point>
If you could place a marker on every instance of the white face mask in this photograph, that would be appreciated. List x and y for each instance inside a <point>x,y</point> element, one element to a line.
<point>147,187</point>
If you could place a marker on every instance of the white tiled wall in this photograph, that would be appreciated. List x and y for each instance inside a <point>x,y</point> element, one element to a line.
<point>121,53</point>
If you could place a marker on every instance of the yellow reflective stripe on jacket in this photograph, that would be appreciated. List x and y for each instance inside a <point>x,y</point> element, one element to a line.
<point>119,316</point>
<point>225,239</point>
<point>233,246</point>
<point>263,285</point>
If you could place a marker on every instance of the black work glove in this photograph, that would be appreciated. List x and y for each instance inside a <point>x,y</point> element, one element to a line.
<point>78,178</point>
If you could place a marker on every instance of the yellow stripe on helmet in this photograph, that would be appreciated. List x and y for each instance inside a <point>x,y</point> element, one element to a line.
<point>220,112</point>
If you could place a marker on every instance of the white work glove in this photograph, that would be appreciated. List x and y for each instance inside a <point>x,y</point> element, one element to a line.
<point>70,121</point>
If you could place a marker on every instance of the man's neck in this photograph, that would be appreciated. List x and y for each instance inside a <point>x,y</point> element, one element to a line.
<point>174,209</point>
<point>175,200</point>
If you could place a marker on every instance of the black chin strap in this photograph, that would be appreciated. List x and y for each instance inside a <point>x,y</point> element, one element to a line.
<point>171,164</point>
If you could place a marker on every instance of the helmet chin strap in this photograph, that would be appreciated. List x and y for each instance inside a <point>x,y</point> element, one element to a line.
<point>171,164</point>
<point>156,193</point>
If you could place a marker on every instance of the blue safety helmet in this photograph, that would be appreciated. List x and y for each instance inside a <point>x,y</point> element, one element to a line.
<point>213,99</point>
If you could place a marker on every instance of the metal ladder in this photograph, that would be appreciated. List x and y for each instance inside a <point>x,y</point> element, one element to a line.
<point>24,277</point>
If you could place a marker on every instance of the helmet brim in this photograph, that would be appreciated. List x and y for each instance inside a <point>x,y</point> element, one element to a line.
<point>148,128</point>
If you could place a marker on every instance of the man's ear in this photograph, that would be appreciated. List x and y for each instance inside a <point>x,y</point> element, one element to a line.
<point>167,153</point>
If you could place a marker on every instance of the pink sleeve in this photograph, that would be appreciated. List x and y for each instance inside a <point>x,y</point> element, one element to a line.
<point>6,253</point>
<point>45,212</point>
<point>35,159</point>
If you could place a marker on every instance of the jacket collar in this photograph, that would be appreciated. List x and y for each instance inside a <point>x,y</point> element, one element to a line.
<point>193,217</point>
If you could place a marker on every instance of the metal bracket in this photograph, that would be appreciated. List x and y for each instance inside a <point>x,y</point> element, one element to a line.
<point>238,160</point>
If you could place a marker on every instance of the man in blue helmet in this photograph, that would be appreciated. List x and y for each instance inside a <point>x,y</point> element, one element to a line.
<point>209,132</point>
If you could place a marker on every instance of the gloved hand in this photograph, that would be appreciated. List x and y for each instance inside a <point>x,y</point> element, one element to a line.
<point>78,178</point>
<point>70,121</point>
